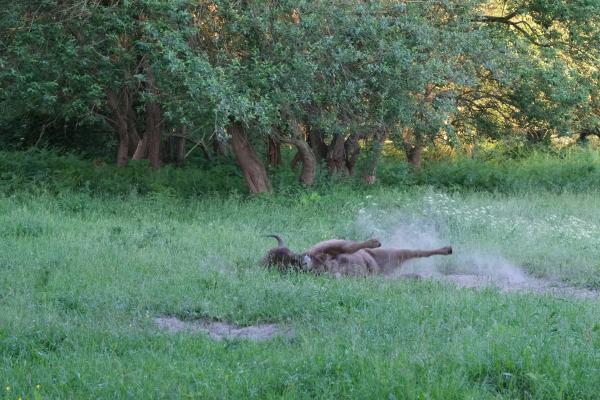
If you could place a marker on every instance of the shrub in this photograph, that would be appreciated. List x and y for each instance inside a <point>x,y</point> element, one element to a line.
<point>47,171</point>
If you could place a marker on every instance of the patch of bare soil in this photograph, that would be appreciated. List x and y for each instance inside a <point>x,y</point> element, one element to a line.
<point>221,330</point>
<point>517,283</point>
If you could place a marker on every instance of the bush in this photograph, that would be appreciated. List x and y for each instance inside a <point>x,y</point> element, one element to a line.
<point>47,171</point>
<point>574,170</point>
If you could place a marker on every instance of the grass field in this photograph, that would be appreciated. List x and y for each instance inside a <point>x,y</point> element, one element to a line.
<point>82,278</point>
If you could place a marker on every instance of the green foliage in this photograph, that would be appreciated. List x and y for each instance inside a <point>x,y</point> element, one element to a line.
<point>574,171</point>
<point>416,73</point>
<point>42,171</point>
<point>431,68</point>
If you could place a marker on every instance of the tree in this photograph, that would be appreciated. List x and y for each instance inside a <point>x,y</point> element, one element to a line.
<point>332,79</point>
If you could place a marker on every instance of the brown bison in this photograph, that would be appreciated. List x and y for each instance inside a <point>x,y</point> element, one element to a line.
<point>344,257</point>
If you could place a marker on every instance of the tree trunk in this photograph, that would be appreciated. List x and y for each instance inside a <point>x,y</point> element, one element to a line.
<point>413,147</point>
<point>414,156</point>
<point>180,145</point>
<point>274,152</point>
<point>252,167</point>
<point>153,133</point>
<point>318,145</point>
<point>123,151</point>
<point>370,175</point>
<point>174,147</point>
<point>141,146</point>
<point>351,152</point>
<point>134,137</point>
<point>141,150</point>
<point>153,123</point>
<point>120,121</point>
<point>305,154</point>
<point>336,156</point>
<point>309,163</point>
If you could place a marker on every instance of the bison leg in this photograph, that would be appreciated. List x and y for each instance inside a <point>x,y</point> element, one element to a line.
<point>408,254</point>
<point>386,257</point>
<point>335,247</point>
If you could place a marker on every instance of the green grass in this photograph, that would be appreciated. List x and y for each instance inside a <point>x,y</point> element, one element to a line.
<point>81,278</point>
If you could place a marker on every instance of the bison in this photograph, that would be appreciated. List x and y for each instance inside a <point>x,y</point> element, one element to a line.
<point>344,257</point>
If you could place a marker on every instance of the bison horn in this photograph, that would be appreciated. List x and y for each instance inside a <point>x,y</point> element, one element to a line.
<point>280,242</point>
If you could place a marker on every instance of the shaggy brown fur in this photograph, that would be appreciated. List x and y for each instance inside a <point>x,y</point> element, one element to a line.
<point>378,261</point>
<point>319,254</point>
<point>345,257</point>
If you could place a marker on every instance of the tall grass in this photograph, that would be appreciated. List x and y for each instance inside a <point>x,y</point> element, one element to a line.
<point>83,276</point>
<point>45,171</point>
<point>574,171</point>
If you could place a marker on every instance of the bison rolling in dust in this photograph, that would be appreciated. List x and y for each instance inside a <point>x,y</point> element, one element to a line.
<point>344,257</point>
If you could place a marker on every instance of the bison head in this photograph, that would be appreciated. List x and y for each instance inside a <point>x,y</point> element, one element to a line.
<point>282,257</point>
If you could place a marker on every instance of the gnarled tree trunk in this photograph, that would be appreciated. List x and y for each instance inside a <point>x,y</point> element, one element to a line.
<point>414,156</point>
<point>336,156</point>
<point>274,152</point>
<point>318,145</point>
<point>309,163</point>
<point>351,152</point>
<point>153,123</point>
<point>252,167</point>
<point>306,155</point>
<point>119,109</point>
<point>370,174</point>
<point>174,151</point>
<point>413,147</point>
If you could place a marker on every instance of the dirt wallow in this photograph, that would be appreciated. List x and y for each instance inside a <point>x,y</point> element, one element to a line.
<point>535,285</point>
<point>218,330</point>
<point>350,258</point>
<point>506,284</point>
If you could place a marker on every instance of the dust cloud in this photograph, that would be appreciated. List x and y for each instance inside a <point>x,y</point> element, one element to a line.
<point>468,266</point>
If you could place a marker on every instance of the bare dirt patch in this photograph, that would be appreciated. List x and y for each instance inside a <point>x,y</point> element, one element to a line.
<point>221,330</point>
<point>518,283</point>
<point>480,271</point>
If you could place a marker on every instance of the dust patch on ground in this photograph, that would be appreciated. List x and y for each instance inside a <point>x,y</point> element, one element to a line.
<point>507,283</point>
<point>503,276</point>
<point>535,285</point>
<point>466,267</point>
<point>221,330</point>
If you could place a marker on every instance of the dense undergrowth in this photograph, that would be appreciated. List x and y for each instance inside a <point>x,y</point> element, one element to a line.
<point>42,170</point>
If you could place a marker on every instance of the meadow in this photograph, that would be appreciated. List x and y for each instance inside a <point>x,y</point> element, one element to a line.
<point>147,149</point>
<point>82,277</point>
